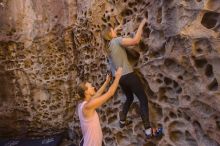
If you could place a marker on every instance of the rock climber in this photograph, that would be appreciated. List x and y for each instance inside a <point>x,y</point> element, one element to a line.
<point>129,82</point>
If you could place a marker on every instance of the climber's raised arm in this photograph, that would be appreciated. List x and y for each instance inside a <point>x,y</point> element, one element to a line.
<point>97,102</point>
<point>136,39</point>
<point>103,87</point>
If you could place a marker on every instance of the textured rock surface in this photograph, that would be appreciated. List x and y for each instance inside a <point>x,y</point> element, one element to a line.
<point>47,47</point>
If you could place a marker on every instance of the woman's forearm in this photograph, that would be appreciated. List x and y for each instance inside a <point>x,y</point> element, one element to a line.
<point>101,89</point>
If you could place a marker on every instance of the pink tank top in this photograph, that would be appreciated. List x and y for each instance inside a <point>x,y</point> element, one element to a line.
<point>91,128</point>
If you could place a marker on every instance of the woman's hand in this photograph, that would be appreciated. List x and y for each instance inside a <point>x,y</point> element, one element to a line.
<point>118,73</point>
<point>108,78</point>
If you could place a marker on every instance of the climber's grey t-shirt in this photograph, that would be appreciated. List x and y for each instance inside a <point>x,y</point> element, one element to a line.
<point>118,56</point>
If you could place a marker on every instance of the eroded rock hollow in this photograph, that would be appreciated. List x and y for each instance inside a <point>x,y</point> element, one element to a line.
<point>48,46</point>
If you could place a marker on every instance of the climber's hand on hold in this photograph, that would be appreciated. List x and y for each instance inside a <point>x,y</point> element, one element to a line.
<point>144,20</point>
<point>136,39</point>
<point>119,27</point>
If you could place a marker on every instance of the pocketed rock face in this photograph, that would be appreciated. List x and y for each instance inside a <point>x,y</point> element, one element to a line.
<point>48,47</point>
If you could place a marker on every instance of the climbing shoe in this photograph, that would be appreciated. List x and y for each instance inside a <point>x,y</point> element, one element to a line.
<point>153,132</point>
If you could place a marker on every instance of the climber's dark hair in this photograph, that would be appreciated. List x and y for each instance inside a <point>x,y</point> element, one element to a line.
<point>81,89</point>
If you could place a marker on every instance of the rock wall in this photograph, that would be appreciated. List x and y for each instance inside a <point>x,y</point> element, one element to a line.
<point>47,47</point>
